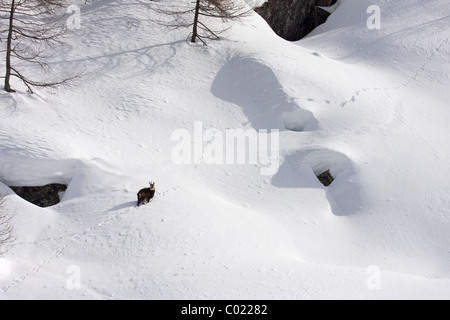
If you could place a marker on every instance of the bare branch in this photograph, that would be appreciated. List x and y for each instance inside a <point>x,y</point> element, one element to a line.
<point>33,29</point>
<point>225,10</point>
<point>32,83</point>
<point>6,228</point>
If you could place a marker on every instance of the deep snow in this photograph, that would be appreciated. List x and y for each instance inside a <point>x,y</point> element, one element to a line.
<point>370,105</point>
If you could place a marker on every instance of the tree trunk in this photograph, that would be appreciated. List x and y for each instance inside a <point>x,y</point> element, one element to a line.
<point>9,48</point>
<point>195,28</point>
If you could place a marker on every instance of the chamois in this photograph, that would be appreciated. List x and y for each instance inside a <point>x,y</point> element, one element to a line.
<point>145,195</point>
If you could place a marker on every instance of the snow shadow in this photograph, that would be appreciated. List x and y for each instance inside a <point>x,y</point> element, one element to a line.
<point>102,54</point>
<point>301,169</point>
<point>145,60</point>
<point>123,206</point>
<point>8,105</point>
<point>255,88</point>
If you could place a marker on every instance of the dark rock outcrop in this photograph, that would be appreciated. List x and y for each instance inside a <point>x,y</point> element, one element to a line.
<point>326,178</point>
<point>45,196</point>
<point>294,19</point>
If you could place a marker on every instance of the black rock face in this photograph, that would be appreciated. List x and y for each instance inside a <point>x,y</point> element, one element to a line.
<point>326,178</point>
<point>45,196</point>
<point>294,19</point>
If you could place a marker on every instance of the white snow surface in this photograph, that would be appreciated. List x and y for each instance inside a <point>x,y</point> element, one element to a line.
<point>370,105</point>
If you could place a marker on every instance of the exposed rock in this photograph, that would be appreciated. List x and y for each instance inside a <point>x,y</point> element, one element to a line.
<point>294,19</point>
<point>45,196</point>
<point>326,178</point>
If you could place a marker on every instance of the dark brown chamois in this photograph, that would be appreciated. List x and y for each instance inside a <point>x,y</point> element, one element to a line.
<point>145,195</point>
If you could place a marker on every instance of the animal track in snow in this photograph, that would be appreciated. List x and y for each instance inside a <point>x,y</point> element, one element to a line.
<point>73,238</point>
<point>406,83</point>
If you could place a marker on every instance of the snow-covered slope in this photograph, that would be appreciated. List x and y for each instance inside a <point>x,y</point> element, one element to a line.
<point>370,105</point>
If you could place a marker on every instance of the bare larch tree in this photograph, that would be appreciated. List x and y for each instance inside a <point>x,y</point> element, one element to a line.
<point>29,30</point>
<point>201,13</point>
